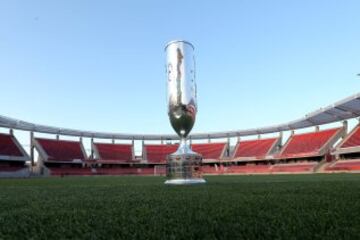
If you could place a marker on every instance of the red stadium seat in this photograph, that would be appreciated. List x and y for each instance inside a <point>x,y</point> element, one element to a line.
<point>344,165</point>
<point>353,140</point>
<point>206,169</point>
<point>254,149</point>
<point>79,171</point>
<point>60,150</point>
<point>158,153</point>
<point>12,168</point>
<point>210,150</point>
<point>248,169</point>
<point>114,153</point>
<point>349,147</point>
<point>12,155</point>
<point>125,171</point>
<point>294,167</point>
<point>216,169</point>
<point>8,147</point>
<point>70,171</point>
<point>308,144</point>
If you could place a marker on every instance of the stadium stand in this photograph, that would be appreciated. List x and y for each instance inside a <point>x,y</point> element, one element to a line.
<point>299,154</point>
<point>258,149</point>
<point>108,153</point>
<point>251,168</point>
<point>212,169</point>
<point>347,153</point>
<point>350,146</point>
<point>9,148</point>
<point>353,139</point>
<point>61,157</point>
<point>51,150</point>
<point>248,169</point>
<point>306,167</point>
<point>344,165</point>
<point>310,145</point>
<point>210,151</point>
<point>118,159</point>
<point>156,154</point>
<point>12,157</point>
<point>71,171</point>
<point>125,171</point>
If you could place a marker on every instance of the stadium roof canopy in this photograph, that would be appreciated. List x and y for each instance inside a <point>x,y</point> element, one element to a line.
<point>342,110</point>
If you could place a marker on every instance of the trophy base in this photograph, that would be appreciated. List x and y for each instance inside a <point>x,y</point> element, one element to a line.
<point>184,169</point>
<point>185,181</point>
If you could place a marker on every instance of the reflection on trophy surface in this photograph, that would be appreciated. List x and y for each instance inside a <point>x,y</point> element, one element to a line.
<point>183,166</point>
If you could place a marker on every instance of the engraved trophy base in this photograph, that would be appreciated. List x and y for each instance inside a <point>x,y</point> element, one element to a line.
<point>185,181</point>
<point>184,168</point>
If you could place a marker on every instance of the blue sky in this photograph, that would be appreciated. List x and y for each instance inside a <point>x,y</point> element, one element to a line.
<point>99,65</point>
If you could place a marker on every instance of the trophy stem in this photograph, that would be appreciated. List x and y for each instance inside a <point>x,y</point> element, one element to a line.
<point>183,148</point>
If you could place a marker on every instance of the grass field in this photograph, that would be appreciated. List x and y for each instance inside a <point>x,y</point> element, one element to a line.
<point>228,207</point>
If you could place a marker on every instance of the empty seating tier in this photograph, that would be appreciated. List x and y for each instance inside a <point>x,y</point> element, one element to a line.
<point>248,169</point>
<point>206,169</point>
<point>114,152</point>
<point>345,165</point>
<point>210,150</point>
<point>8,147</point>
<point>353,140</point>
<point>125,171</point>
<point>294,167</point>
<point>258,148</point>
<point>307,144</point>
<point>60,150</point>
<point>64,171</point>
<point>158,153</point>
<point>78,171</point>
<point>11,168</point>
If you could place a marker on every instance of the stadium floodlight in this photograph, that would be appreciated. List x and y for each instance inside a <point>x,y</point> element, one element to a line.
<point>183,166</point>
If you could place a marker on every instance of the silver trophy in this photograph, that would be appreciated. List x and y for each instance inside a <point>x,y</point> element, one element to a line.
<point>183,166</point>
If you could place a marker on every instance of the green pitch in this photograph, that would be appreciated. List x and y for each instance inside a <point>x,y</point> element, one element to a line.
<point>228,207</point>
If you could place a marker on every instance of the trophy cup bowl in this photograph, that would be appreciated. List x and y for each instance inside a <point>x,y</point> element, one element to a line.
<point>183,166</point>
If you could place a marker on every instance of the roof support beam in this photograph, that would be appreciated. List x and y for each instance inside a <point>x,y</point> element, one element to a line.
<point>337,117</point>
<point>353,112</point>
